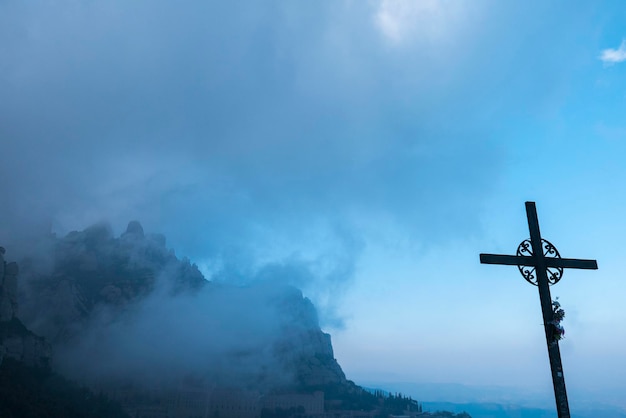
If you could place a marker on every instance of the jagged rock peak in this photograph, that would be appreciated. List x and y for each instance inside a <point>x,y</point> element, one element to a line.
<point>92,270</point>
<point>134,228</point>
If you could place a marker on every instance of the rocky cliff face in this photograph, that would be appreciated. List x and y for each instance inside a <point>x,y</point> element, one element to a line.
<point>16,341</point>
<point>128,302</point>
<point>304,347</point>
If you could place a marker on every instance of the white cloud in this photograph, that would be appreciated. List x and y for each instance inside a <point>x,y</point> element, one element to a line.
<point>612,56</point>
<point>399,20</point>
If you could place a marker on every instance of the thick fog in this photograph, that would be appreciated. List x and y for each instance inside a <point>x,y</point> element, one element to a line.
<point>244,134</point>
<point>226,335</point>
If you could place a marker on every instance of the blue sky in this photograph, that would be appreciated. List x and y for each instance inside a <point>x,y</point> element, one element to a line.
<point>366,151</point>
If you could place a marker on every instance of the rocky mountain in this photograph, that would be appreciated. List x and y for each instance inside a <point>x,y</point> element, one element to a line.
<point>129,305</point>
<point>125,317</point>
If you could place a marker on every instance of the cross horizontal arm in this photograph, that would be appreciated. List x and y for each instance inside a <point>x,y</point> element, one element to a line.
<point>572,263</point>
<point>507,260</point>
<point>518,260</point>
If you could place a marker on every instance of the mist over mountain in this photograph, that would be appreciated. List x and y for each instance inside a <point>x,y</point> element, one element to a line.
<point>126,308</point>
<point>124,318</point>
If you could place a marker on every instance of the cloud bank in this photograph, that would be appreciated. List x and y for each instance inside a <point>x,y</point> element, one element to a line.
<point>248,137</point>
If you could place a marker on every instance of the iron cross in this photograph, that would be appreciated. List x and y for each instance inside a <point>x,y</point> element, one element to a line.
<point>541,265</point>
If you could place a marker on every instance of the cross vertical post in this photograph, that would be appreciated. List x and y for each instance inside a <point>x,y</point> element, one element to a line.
<point>558,379</point>
<point>541,265</point>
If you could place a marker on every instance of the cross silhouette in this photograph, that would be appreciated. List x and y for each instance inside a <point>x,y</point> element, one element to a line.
<point>541,265</point>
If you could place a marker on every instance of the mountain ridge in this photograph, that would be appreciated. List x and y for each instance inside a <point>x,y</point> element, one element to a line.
<point>127,318</point>
<point>94,279</point>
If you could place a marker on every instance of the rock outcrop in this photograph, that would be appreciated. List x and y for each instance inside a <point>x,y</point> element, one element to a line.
<point>304,347</point>
<point>16,341</point>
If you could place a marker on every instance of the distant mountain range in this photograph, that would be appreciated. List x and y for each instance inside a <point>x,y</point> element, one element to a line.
<point>498,402</point>
<point>495,410</point>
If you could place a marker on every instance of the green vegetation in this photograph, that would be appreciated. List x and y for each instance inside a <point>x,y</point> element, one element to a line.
<point>354,398</point>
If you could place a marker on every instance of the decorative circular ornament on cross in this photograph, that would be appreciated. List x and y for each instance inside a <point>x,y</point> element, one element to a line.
<point>549,250</point>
